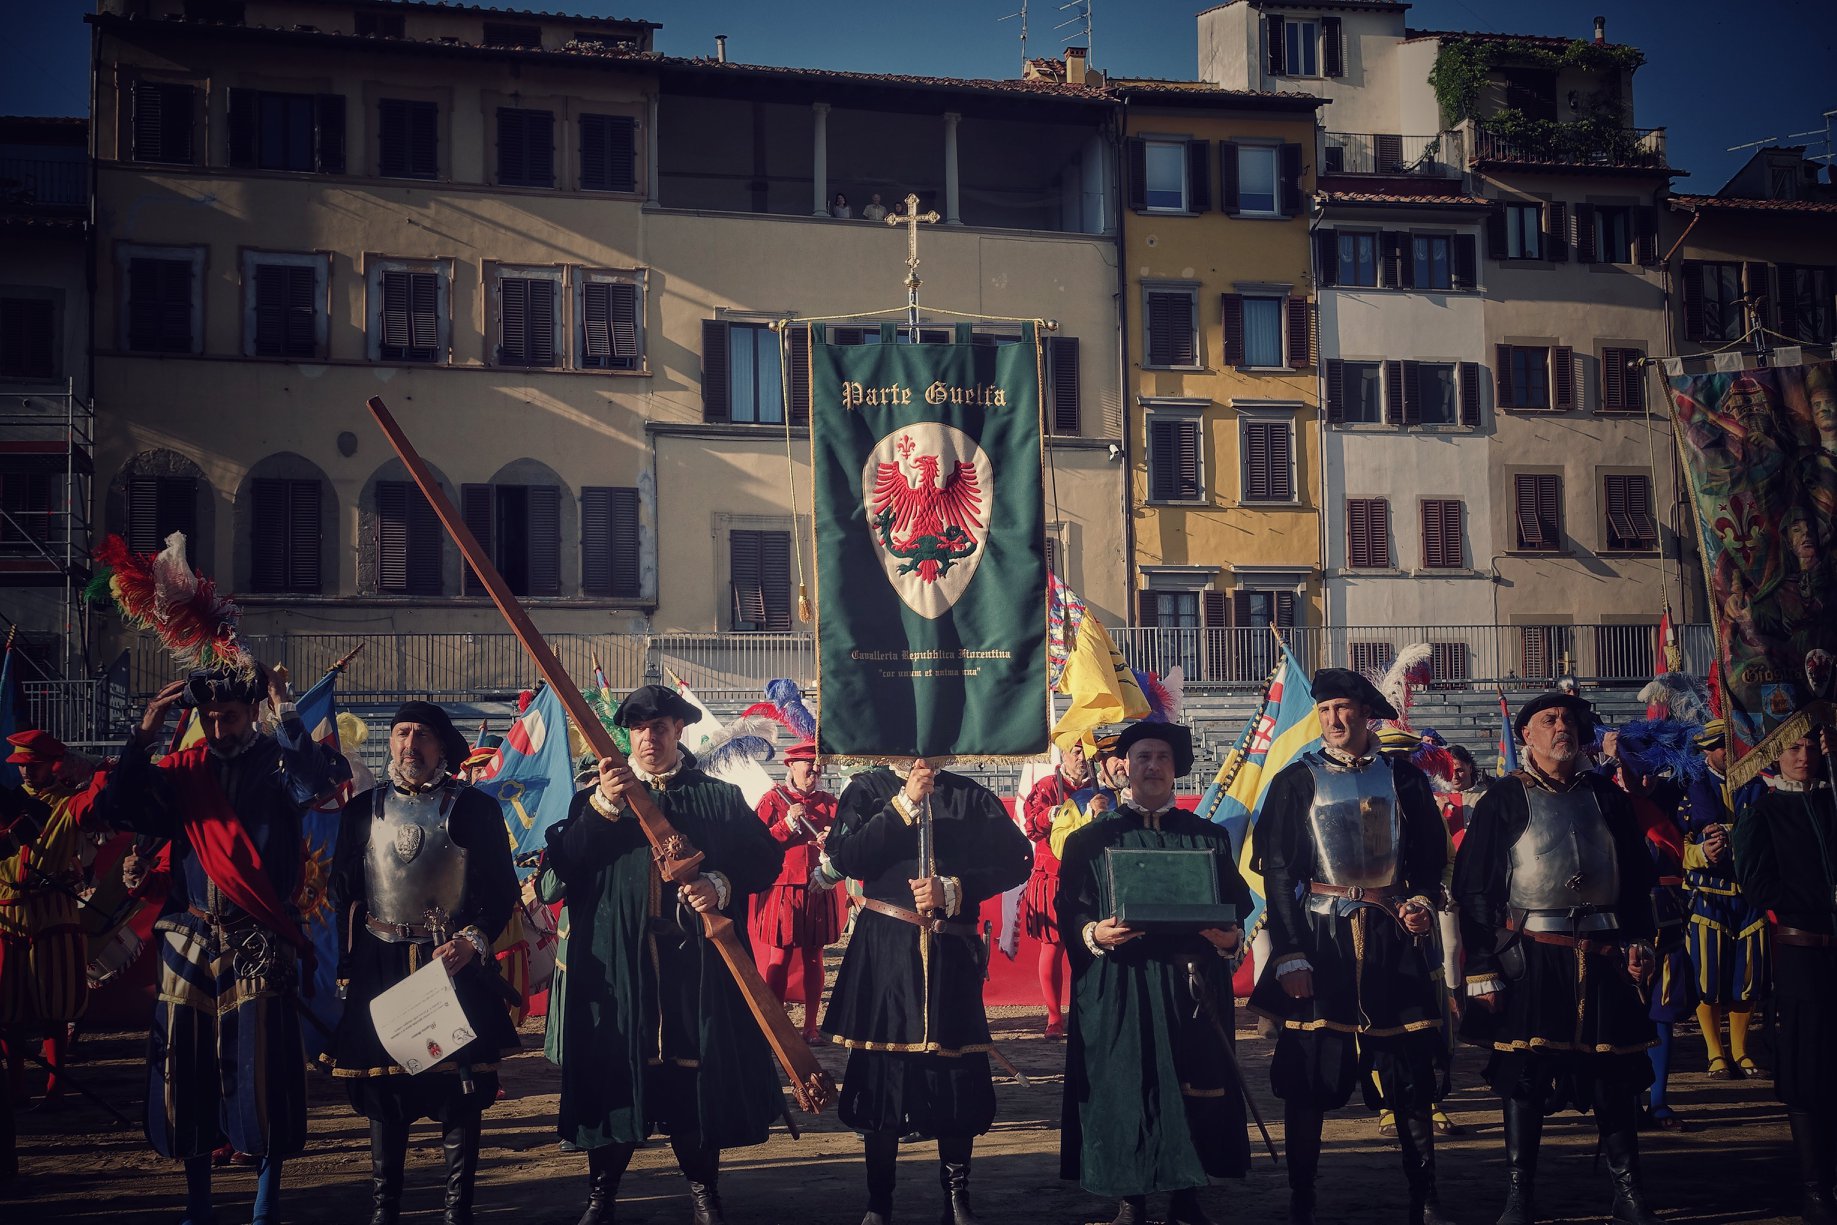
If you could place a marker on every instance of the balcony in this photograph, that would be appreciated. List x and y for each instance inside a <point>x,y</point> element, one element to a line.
<point>1382,153</point>
<point>44,182</point>
<point>1580,145</point>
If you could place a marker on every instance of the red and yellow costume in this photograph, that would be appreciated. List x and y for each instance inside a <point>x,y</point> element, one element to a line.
<point>43,951</point>
<point>791,915</point>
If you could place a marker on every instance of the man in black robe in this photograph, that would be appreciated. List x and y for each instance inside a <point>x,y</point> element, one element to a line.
<point>654,1032</point>
<point>1151,1012</point>
<point>1352,851</point>
<point>1554,885</point>
<point>908,999</point>
<point>1785,844</point>
<point>422,873</point>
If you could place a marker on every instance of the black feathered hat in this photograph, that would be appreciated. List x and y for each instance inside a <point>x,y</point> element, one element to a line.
<point>1175,736</point>
<point>452,744</point>
<point>206,685</point>
<point>649,702</point>
<point>1331,683</point>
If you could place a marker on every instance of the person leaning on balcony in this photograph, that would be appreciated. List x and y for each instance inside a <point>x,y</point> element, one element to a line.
<point>875,210</point>
<point>839,208</point>
<point>1555,884</point>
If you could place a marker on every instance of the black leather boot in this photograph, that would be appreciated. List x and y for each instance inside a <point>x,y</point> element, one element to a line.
<point>1620,1145</point>
<point>388,1149</point>
<point>1524,1131</point>
<point>1814,1186</point>
<point>1416,1140</point>
<point>882,1166</point>
<point>605,1167</point>
<point>1301,1137</point>
<point>954,1177</point>
<point>1132,1211</point>
<point>460,1147</point>
<point>701,1166</point>
<point>1185,1209</point>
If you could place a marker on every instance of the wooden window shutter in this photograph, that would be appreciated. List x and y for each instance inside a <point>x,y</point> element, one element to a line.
<point>539,147</point>
<point>1524,501</point>
<point>513,147</point>
<point>1326,257</point>
<point>1146,613</point>
<point>149,121</point>
<point>1613,379</point>
<point>1412,392</point>
<point>1231,313</point>
<point>1397,267</point>
<point>744,580</point>
<point>1387,153</point>
<point>1368,533</point>
<point>1138,174</point>
<point>1466,262</point>
<point>608,153</point>
<point>1645,227</point>
<point>1448,662</point>
<point>596,323</point>
<point>1198,175</point>
<point>1562,377</point>
<point>1273,24</point>
<point>544,543</point>
<point>1186,434</point>
<point>1336,389</point>
<point>623,303</point>
<point>1469,376</point>
<point>268,536</point>
<point>1285,609</point>
<point>609,542</point>
<point>1496,245</point>
<point>1435,551</point>
<point>775,578</point>
<point>1503,395</point>
<point>287,302</point>
<point>392,535</point>
<point>542,322</point>
<point>1300,333</point>
<point>1241,616</point>
<point>714,370</point>
<point>245,126</point>
<point>1289,161</point>
<point>1690,285</point>
<point>1062,371</point>
<point>1550,509</point>
<point>329,133</point>
<point>1584,230</point>
<point>1333,44</point>
<point>797,340</point>
<point>304,536</point>
<point>478,507</point>
<point>270,312</point>
<point>426,544</point>
<point>1556,231</point>
<point>513,321</point>
<point>1214,613</point>
<point>423,313</point>
<point>1170,329</point>
<point>1394,393</point>
<point>1227,176</point>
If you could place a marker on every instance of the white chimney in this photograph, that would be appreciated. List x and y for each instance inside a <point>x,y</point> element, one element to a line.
<point>720,48</point>
<point>1600,31</point>
<point>1074,65</point>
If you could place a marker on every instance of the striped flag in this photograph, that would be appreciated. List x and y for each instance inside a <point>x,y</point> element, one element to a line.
<point>1508,742</point>
<point>319,828</point>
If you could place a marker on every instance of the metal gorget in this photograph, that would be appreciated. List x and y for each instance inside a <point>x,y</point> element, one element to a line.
<point>1354,823</point>
<point>413,865</point>
<point>1564,873</point>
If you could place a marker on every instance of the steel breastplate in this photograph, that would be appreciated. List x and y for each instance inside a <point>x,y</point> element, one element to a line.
<point>1354,823</point>
<point>413,865</point>
<point>1564,861</point>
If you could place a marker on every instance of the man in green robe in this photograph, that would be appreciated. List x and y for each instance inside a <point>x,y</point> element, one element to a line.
<point>655,1033</point>
<point>1150,1012</point>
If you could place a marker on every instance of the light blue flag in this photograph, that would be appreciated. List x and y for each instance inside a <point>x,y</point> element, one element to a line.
<point>534,780</point>
<point>319,829</point>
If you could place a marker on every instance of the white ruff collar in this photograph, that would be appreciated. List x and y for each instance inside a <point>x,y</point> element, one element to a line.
<point>1790,785</point>
<point>658,780</point>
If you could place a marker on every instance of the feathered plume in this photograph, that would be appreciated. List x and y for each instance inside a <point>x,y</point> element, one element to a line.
<point>788,700</point>
<point>604,705</point>
<point>1174,683</point>
<point>1681,694</point>
<point>732,749</point>
<point>1163,703</point>
<point>1411,670</point>
<point>1662,748</point>
<point>1434,760</point>
<point>160,592</point>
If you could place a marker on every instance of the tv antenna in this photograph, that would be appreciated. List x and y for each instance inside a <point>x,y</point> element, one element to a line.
<point>1079,23</point>
<point>1022,14</point>
<point>1824,131</point>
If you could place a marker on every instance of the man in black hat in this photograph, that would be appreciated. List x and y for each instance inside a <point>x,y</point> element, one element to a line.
<point>422,873</point>
<point>1150,1012</point>
<point>224,1060</point>
<point>1554,887</point>
<point>654,1032</point>
<point>908,999</point>
<point>1352,851</point>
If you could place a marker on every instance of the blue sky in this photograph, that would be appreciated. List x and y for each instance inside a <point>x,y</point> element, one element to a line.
<point>1717,74</point>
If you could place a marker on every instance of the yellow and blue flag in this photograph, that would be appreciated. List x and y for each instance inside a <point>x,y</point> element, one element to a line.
<point>319,824</point>
<point>1281,731</point>
<point>1090,670</point>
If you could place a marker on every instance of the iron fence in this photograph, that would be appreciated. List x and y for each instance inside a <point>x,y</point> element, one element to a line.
<point>1574,144</point>
<point>725,664</point>
<point>1437,156</point>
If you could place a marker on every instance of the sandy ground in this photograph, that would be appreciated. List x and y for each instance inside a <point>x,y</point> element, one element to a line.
<point>78,1167</point>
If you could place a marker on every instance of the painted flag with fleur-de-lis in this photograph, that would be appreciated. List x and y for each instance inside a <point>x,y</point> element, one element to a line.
<point>930,544</point>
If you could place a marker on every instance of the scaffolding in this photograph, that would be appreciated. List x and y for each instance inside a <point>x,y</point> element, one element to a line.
<point>47,474</point>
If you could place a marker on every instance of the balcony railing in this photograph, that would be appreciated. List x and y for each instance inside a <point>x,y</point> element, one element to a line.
<point>1436,157</point>
<point>37,180</point>
<point>1574,144</point>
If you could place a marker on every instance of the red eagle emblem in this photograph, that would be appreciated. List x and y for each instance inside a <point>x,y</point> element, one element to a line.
<point>930,526</point>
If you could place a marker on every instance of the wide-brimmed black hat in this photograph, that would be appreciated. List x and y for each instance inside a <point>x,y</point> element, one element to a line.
<point>649,702</point>
<point>1331,683</point>
<point>206,685</point>
<point>452,744</point>
<point>1584,713</point>
<point>1175,736</point>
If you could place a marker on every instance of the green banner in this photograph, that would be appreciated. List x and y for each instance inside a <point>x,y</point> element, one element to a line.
<point>930,555</point>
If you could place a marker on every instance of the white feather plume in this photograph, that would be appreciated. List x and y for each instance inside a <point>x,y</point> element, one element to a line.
<point>1683,694</point>
<point>1175,684</point>
<point>1406,671</point>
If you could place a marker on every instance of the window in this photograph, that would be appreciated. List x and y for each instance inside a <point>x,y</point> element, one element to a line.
<point>1448,667</point>
<point>1062,399</point>
<point>520,529</point>
<point>755,390</point>
<point>1441,534</point>
<point>759,566</point>
<point>1712,301</point>
<point>283,316</point>
<point>609,542</point>
<point>1612,235</point>
<point>1544,651</point>
<point>371,24</point>
<point>512,34</point>
<point>1538,507</point>
<point>1358,259</point>
<point>1269,470</point>
<point>285,536</point>
<point>409,540</point>
<point>1301,48</point>
<point>1257,180</point>
<point>1806,302</point>
<point>1267,332</point>
<point>1524,231</point>
<point>528,320</point>
<point>1174,472</point>
<point>608,153</point>
<point>1166,175</point>
<point>1437,396</point>
<point>28,338</point>
<point>161,314</point>
<point>1623,381</point>
<point>526,147</point>
<point>1371,657</point>
<point>159,506</point>
<point>407,314</point>
<point>1355,392</point>
<point>1262,332</point>
<point>1431,261</point>
<point>1170,176</point>
<point>407,139</point>
<point>1368,541</point>
<point>1173,338</point>
<point>611,313</point>
<point>1627,499</point>
<point>1523,374</point>
<point>32,504</point>
<point>276,131</point>
<point>162,122</point>
<point>743,378</point>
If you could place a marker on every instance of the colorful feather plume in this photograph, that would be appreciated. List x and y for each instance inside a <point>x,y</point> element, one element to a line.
<point>603,704</point>
<point>1411,670</point>
<point>1681,695</point>
<point>1434,760</point>
<point>161,593</point>
<point>787,700</point>
<point>1662,748</point>
<point>729,750</point>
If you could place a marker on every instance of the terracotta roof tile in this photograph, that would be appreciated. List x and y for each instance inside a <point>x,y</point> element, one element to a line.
<point>1753,204</point>
<point>1434,199</point>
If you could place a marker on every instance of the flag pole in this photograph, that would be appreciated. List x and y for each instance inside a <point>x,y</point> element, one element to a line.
<point>1234,759</point>
<point>348,657</point>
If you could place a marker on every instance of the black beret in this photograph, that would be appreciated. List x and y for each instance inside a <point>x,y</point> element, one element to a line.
<point>1178,738</point>
<point>452,744</point>
<point>649,702</point>
<point>1331,683</point>
<point>206,685</point>
<point>1584,712</point>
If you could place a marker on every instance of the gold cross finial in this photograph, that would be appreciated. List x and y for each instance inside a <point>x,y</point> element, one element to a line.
<point>911,221</point>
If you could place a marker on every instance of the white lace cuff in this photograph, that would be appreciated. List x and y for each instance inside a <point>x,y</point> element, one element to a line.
<point>953,894</point>
<point>908,811</point>
<point>723,890</point>
<point>1485,985</point>
<point>1288,965</point>
<point>1090,940</point>
<point>603,806</point>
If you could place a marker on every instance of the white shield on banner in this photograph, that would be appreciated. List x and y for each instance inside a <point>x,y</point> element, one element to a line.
<point>928,489</point>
